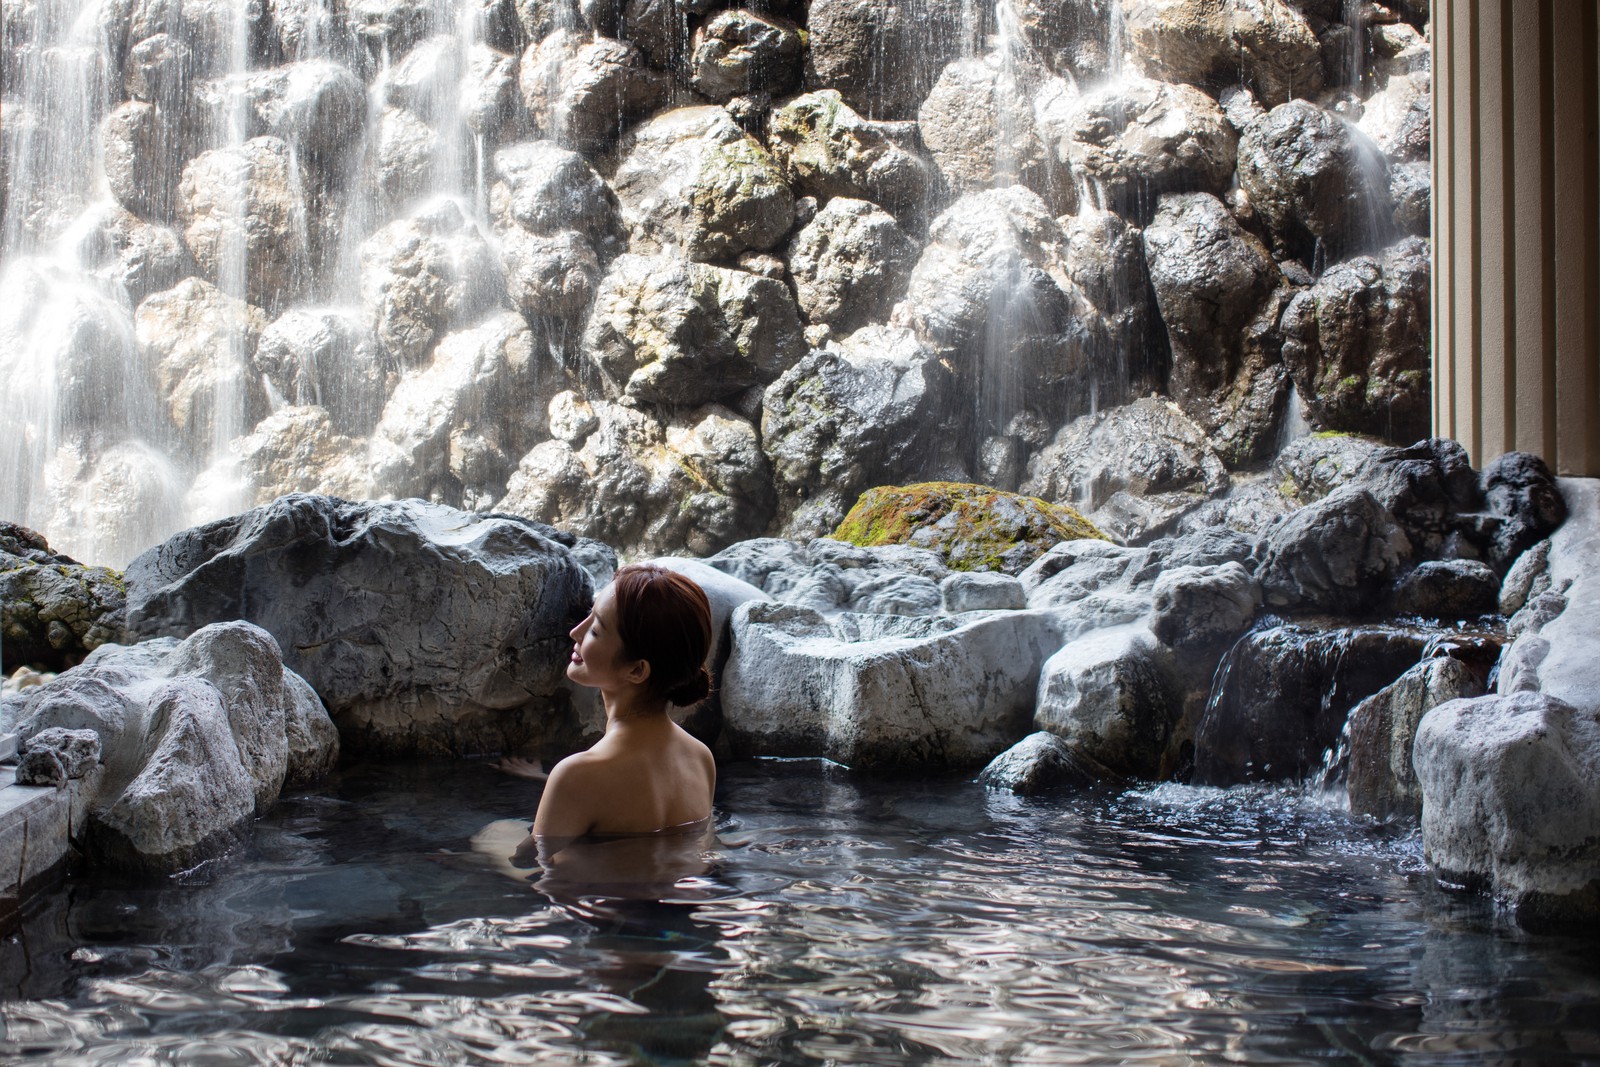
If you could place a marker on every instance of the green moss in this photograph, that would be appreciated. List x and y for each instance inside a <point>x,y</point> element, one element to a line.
<point>973,527</point>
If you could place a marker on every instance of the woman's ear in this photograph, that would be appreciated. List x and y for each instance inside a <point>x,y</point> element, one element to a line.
<point>639,672</point>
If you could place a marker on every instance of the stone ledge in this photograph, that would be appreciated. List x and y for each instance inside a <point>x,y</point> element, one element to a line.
<point>36,825</point>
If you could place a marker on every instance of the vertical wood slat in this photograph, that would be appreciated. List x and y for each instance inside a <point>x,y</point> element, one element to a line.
<point>1516,317</point>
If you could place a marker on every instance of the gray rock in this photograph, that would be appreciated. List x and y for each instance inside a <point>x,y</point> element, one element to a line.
<point>1357,343</point>
<point>322,356</point>
<point>882,690</point>
<point>737,52</point>
<point>580,90</point>
<point>1039,763</point>
<point>491,101</point>
<point>1069,34</point>
<point>1133,139</point>
<point>853,42</point>
<point>197,342</point>
<point>1380,780</point>
<point>247,199</point>
<point>1399,117</point>
<point>137,256</point>
<point>1132,470</point>
<point>850,415</point>
<point>459,673</point>
<point>849,263</point>
<point>317,106</point>
<point>1511,802</point>
<point>550,277</point>
<point>1108,696</point>
<point>143,158</point>
<point>405,166</point>
<point>390,26</point>
<point>423,276</point>
<point>978,123</point>
<point>1449,589</point>
<point>294,450</point>
<point>1315,178</point>
<point>828,150</point>
<point>1432,490</point>
<point>1519,489</point>
<point>665,330</point>
<point>54,756</point>
<point>1267,44</point>
<point>53,610</point>
<point>1411,190</point>
<point>157,69</point>
<point>1336,555</point>
<point>981,591</point>
<point>104,502</point>
<point>1216,288</point>
<point>896,594</point>
<point>691,178</point>
<point>192,798</point>
<point>1199,608</point>
<point>547,189</point>
<point>1281,697</point>
<point>1528,577</point>
<point>1311,467</point>
<point>689,486</point>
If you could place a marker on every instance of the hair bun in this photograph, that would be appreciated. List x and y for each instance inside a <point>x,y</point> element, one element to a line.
<point>692,692</point>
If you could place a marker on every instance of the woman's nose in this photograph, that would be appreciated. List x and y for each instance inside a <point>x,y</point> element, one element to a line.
<point>577,631</point>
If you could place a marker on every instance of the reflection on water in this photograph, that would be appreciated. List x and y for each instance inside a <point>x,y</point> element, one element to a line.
<point>839,921</point>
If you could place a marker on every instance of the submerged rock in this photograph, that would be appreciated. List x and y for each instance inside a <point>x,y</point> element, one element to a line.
<point>1039,763</point>
<point>426,630</point>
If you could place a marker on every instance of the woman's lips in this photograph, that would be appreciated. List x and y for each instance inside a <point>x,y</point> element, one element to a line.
<point>575,657</point>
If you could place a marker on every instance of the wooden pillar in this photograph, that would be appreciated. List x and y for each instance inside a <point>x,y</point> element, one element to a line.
<point>1516,225</point>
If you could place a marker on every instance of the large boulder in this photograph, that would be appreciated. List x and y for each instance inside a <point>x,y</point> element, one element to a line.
<point>322,356</point>
<point>296,449</point>
<point>1523,495</point>
<point>547,189</point>
<point>1133,139</point>
<point>198,342</point>
<point>739,52</point>
<point>828,576</point>
<point>1358,343</point>
<point>1399,117</point>
<point>580,89</point>
<point>850,415</point>
<point>423,276</point>
<point>454,428</point>
<point>197,737</point>
<point>1134,470</point>
<point>1217,290</point>
<point>692,179</point>
<point>1282,694</point>
<point>973,527</point>
<point>1199,608</point>
<point>136,256</point>
<point>1039,763</point>
<point>1380,780</point>
<point>978,123</point>
<point>1337,555</point>
<point>828,150</point>
<point>1316,180</point>
<point>1511,802</point>
<point>665,330</point>
<point>1267,44</point>
<point>853,43</point>
<point>53,609</point>
<point>1109,696</point>
<point>316,106</point>
<point>240,209</point>
<point>691,485</point>
<point>477,665</point>
<point>142,156</point>
<point>882,690</point>
<point>849,264</point>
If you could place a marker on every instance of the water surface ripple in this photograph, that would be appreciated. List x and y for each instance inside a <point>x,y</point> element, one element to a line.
<point>844,920</point>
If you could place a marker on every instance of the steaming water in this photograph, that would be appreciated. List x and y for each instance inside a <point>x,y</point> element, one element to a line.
<point>849,921</point>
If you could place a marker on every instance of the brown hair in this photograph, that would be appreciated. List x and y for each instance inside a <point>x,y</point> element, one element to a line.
<point>665,619</point>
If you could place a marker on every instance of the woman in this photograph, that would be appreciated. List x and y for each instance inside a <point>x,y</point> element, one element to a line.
<point>643,645</point>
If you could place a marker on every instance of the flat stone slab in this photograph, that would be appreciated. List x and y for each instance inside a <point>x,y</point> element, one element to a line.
<point>36,823</point>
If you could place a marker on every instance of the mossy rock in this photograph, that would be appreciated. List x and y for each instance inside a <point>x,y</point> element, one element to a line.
<point>53,610</point>
<point>974,527</point>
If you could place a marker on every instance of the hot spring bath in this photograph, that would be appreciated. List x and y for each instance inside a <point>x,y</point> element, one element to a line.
<point>847,920</point>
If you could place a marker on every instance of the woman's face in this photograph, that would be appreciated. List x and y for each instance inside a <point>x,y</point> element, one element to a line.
<point>597,654</point>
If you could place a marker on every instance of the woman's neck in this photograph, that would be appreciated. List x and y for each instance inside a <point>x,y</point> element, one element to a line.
<point>633,708</point>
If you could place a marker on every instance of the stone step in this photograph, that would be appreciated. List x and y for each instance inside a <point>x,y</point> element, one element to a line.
<point>36,824</point>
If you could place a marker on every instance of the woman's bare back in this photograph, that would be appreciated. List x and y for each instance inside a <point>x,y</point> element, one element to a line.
<point>640,778</point>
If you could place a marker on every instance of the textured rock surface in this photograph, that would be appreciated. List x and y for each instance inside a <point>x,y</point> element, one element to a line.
<point>478,662</point>
<point>829,150</point>
<point>1381,781</point>
<point>852,42</point>
<point>1039,763</point>
<point>1268,44</point>
<point>1109,697</point>
<point>241,202</point>
<point>1335,555</point>
<point>1511,802</point>
<point>197,737</point>
<point>877,690</point>
<point>972,527</point>
<point>849,263</point>
<point>53,610</point>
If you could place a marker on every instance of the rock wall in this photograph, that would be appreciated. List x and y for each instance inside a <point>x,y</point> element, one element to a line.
<point>674,276</point>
